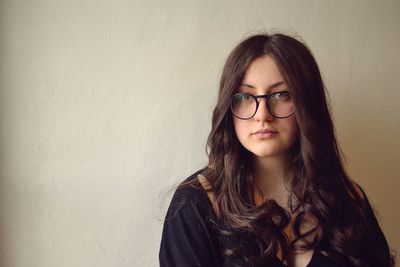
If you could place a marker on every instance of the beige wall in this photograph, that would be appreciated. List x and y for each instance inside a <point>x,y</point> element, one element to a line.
<point>105,104</point>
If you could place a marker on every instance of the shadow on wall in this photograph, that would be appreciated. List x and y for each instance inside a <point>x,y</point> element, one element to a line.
<point>369,140</point>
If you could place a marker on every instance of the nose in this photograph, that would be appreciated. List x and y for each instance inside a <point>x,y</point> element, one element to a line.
<point>263,113</point>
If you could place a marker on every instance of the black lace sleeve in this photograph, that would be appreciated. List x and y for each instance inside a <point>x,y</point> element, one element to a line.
<point>189,237</point>
<point>377,247</point>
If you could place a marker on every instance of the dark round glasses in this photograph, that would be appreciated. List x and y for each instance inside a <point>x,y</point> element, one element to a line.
<point>280,105</point>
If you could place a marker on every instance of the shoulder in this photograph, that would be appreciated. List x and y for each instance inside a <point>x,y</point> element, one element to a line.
<point>189,199</point>
<point>189,236</point>
<point>360,192</point>
<point>376,248</point>
<point>357,194</point>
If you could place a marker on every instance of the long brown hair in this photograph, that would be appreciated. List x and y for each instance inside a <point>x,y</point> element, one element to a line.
<point>321,189</point>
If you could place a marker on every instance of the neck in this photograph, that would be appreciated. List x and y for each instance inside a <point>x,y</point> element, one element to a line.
<point>271,170</point>
<point>272,177</point>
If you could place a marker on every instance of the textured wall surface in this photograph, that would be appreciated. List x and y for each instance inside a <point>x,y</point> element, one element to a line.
<point>104,105</point>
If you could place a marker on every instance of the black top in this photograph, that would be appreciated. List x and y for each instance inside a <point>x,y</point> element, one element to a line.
<point>190,237</point>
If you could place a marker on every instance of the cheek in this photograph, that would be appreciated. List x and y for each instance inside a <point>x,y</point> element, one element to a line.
<point>240,129</point>
<point>292,128</point>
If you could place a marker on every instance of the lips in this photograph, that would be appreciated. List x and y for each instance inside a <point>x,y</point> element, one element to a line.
<point>265,134</point>
<point>265,131</point>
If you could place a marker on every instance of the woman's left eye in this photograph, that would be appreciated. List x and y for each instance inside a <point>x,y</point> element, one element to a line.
<point>283,95</point>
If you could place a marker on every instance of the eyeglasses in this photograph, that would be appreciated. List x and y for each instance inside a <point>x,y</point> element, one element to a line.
<point>280,105</point>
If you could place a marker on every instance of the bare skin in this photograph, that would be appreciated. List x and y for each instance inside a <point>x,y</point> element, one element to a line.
<point>273,179</point>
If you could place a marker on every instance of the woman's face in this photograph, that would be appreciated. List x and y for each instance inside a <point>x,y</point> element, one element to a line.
<point>264,135</point>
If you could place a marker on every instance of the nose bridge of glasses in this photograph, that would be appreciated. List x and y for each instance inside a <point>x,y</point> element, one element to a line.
<point>267,105</point>
<point>260,97</point>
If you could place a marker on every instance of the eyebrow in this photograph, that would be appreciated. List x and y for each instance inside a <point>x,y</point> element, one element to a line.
<point>269,87</point>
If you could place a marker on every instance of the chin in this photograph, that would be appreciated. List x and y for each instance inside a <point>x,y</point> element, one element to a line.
<point>268,152</point>
<point>265,154</point>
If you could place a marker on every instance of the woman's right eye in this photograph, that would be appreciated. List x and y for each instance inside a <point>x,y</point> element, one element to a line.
<point>242,96</point>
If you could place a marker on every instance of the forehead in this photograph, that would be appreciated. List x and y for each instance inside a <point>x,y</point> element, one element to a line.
<point>262,71</point>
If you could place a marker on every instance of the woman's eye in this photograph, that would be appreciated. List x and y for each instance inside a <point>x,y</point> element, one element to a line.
<point>243,96</point>
<point>282,95</point>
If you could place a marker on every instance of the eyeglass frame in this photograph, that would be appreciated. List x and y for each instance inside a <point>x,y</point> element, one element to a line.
<point>256,97</point>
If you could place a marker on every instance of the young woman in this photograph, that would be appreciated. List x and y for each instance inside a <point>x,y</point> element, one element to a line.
<point>275,192</point>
